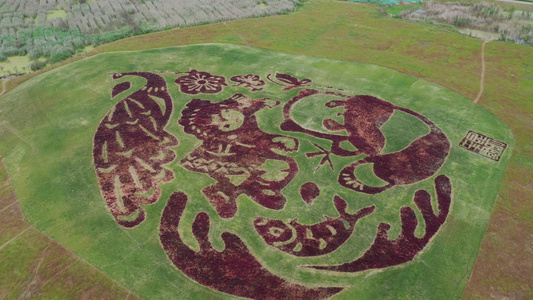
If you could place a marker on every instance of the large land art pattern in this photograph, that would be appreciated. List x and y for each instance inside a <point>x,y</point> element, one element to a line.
<point>222,171</point>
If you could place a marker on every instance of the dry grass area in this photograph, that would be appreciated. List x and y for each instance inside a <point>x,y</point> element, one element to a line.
<point>504,264</point>
<point>36,267</point>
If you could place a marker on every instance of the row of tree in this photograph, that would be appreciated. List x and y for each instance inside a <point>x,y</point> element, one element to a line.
<point>56,29</point>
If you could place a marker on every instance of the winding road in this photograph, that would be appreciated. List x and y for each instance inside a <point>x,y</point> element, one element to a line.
<point>515,1</point>
<point>4,82</point>
<point>4,85</point>
<point>482,80</point>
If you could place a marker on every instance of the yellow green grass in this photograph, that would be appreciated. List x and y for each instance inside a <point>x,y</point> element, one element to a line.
<point>36,267</point>
<point>357,32</point>
<point>56,14</point>
<point>15,64</point>
<point>59,126</point>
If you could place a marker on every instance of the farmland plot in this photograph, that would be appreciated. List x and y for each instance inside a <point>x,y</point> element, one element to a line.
<point>190,174</point>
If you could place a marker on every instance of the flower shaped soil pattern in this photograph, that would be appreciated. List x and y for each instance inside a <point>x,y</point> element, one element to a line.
<point>252,81</point>
<point>200,82</point>
<point>288,81</point>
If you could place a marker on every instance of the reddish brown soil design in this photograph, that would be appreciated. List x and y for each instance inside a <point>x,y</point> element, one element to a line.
<point>234,270</point>
<point>288,81</point>
<point>119,88</point>
<point>385,252</point>
<point>309,192</point>
<point>234,146</point>
<point>483,145</point>
<point>250,81</point>
<point>200,82</point>
<point>311,240</point>
<point>363,118</point>
<point>130,147</point>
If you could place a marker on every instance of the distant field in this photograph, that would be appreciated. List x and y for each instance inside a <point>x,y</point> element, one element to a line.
<point>48,147</point>
<point>426,52</point>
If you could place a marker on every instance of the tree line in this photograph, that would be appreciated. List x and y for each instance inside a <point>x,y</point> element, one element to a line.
<point>57,29</point>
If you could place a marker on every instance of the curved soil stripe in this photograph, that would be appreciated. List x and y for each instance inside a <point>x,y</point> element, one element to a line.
<point>233,270</point>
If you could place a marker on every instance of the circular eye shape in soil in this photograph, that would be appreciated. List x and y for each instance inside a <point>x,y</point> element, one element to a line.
<point>309,192</point>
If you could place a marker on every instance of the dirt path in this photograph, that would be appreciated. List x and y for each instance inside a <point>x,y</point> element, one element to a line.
<point>519,2</point>
<point>4,83</point>
<point>482,80</point>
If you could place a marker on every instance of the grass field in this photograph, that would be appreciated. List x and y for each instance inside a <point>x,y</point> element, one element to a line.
<point>47,144</point>
<point>15,65</point>
<point>36,267</point>
<point>430,53</point>
<point>426,52</point>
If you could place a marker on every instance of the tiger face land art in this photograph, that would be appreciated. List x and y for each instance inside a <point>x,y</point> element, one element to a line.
<point>234,145</point>
<point>131,145</point>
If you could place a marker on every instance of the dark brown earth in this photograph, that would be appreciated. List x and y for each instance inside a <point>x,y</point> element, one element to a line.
<point>130,147</point>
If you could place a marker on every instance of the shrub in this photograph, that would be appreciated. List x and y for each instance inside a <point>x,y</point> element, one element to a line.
<point>37,65</point>
<point>461,22</point>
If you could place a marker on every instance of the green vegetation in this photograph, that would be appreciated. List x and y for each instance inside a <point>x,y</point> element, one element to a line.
<point>355,32</point>
<point>508,24</point>
<point>36,267</point>
<point>60,127</point>
<point>54,44</point>
<point>56,30</point>
<point>396,9</point>
<point>15,65</point>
